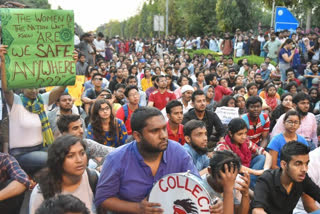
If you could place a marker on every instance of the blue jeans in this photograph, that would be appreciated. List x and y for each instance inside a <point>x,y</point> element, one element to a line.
<point>315,212</point>
<point>256,163</point>
<point>31,159</point>
<point>283,67</point>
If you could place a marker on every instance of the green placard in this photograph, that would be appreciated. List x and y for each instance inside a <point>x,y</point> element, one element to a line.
<point>40,47</point>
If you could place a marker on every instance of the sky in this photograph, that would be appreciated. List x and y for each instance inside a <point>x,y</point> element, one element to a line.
<point>90,14</point>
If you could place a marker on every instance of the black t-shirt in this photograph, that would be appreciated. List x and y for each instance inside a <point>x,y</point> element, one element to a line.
<point>270,195</point>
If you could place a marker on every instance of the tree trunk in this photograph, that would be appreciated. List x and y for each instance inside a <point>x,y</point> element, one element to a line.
<point>308,24</point>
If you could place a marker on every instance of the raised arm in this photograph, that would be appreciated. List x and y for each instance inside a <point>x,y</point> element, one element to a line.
<point>8,94</point>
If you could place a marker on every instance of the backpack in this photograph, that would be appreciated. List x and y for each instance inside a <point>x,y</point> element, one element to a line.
<point>246,119</point>
<point>93,179</point>
<point>126,112</point>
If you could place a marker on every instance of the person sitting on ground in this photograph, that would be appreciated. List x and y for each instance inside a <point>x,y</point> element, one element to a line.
<point>13,183</point>
<point>292,120</point>
<point>174,127</point>
<point>195,134</point>
<point>222,179</point>
<point>62,204</point>
<point>258,123</point>
<point>72,124</point>
<point>66,174</point>
<point>279,190</point>
<point>124,113</point>
<point>29,130</point>
<point>104,127</point>
<point>254,159</point>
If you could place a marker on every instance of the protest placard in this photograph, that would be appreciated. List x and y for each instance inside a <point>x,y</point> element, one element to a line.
<point>40,47</point>
<point>226,114</point>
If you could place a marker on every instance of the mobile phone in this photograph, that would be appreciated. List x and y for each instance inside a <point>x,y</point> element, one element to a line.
<point>215,201</point>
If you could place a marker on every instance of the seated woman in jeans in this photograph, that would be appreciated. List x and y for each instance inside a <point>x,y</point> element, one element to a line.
<point>254,159</point>
<point>29,130</point>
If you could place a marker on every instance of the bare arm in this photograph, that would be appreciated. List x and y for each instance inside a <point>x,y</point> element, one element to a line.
<point>258,211</point>
<point>264,141</point>
<point>309,203</point>
<point>288,58</point>
<point>8,94</point>
<point>55,94</point>
<point>13,189</point>
<point>274,156</point>
<point>116,205</point>
<point>268,161</point>
<point>150,103</point>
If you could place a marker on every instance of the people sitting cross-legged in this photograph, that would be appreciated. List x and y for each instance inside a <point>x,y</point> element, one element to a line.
<point>254,159</point>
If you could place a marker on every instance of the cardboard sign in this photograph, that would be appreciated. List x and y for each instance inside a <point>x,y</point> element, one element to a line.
<point>40,47</point>
<point>226,114</point>
<point>181,193</point>
<point>76,90</point>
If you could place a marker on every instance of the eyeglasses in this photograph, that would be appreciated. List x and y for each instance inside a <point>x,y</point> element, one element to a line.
<point>134,95</point>
<point>98,79</point>
<point>289,122</point>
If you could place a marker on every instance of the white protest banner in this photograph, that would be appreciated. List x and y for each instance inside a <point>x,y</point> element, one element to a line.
<point>226,114</point>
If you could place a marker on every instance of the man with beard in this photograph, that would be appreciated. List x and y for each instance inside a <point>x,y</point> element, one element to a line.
<point>185,99</point>
<point>308,126</point>
<point>119,79</point>
<point>90,95</point>
<point>162,95</point>
<point>259,81</point>
<point>278,191</point>
<point>129,172</point>
<point>195,133</point>
<point>200,112</point>
<point>232,78</point>
<point>272,47</point>
<point>64,107</point>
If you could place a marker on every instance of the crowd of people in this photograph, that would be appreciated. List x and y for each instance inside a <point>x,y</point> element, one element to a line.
<point>149,109</point>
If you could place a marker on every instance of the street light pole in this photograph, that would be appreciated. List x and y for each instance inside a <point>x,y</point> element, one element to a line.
<point>167,17</point>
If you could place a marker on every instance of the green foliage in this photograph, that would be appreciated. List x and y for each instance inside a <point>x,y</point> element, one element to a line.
<point>252,59</point>
<point>202,17</point>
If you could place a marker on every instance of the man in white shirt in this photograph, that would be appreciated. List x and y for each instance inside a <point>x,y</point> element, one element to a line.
<point>100,45</point>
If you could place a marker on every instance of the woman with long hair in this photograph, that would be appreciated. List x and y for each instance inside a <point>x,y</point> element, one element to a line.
<point>291,121</point>
<point>254,159</point>
<point>270,96</point>
<point>286,54</point>
<point>104,127</point>
<point>65,174</point>
<point>286,105</point>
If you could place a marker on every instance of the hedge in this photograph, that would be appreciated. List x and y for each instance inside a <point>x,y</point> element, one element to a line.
<point>252,59</point>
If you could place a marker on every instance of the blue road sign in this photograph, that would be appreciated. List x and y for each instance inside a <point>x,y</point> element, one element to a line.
<point>285,20</point>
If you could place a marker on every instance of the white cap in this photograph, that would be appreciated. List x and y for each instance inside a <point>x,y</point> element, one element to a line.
<point>186,88</point>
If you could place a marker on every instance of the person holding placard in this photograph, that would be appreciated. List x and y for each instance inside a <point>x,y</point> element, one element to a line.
<point>29,132</point>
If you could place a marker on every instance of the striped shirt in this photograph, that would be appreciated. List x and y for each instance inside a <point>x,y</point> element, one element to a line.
<point>255,131</point>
